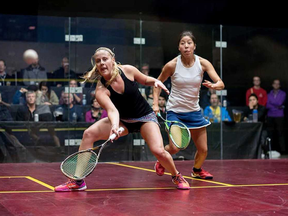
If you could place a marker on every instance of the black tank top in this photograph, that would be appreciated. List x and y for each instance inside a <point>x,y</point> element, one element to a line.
<point>130,104</point>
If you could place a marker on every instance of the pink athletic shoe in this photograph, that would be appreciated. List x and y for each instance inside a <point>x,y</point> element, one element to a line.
<point>71,185</point>
<point>181,183</point>
<point>203,174</point>
<point>159,168</point>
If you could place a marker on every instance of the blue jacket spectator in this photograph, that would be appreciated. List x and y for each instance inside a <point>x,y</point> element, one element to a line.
<point>69,109</point>
<point>20,98</point>
<point>213,112</point>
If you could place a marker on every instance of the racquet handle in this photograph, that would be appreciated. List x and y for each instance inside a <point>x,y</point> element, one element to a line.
<point>113,136</point>
<point>159,115</point>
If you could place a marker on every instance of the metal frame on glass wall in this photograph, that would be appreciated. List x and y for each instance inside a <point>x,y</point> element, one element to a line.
<point>221,96</point>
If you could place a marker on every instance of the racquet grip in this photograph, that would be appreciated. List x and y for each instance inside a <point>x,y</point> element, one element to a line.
<point>159,115</point>
<point>113,136</point>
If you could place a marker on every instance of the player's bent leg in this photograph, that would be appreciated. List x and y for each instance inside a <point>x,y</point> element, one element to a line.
<point>199,137</point>
<point>98,131</point>
<point>155,143</point>
<point>171,148</point>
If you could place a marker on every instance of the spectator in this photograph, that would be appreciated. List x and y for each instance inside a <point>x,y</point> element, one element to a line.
<point>254,104</point>
<point>5,114</point>
<point>257,90</point>
<point>205,98</point>
<point>20,98</point>
<point>63,73</point>
<point>77,97</point>
<point>248,113</point>
<point>4,75</point>
<point>162,104</point>
<point>213,112</point>
<point>150,96</point>
<point>146,91</point>
<point>47,96</point>
<point>275,116</point>
<point>145,69</point>
<point>34,73</point>
<point>69,109</point>
<point>96,113</point>
<point>27,113</point>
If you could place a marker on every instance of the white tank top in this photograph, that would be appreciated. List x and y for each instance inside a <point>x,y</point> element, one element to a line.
<point>186,84</point>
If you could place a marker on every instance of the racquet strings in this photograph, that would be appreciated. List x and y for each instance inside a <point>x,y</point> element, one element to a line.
<point>80,165</point>
<point>180,135</point>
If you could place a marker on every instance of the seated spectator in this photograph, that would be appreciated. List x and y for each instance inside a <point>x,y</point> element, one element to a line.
<point>77,97</point>
<point>258,91</point>
<point>96,113</point>
<point>162,105</point>
<point>27,113</point>
<point>275,117</point>
<point>248,114</point>
<point>47,96</point>
<point>34,73</point>
<point>254,104</point>
<point>69,109</point>
<point>4,75</point>
<point>28,110</point>
<point>205,95</point>
<point>146,91</point>
<point>213,112</point>
<point>150,97</point>
<point>20,98</point>
<point>63,73</point>
<point>5,114</point>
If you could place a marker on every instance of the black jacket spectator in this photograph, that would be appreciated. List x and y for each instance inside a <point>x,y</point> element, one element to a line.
<point>4,75</point>
<point>60,74</point>
<point>24,114</point>
<point>261,113</point>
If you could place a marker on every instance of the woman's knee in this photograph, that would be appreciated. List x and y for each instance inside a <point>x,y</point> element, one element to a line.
<point>202,151</point>
<point>90,135</point>
<point>159,153</point>
<point>87,134</point>
<point>172,148</point>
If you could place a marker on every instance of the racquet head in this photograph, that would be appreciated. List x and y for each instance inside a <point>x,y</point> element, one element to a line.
<point>79,165</point>
<point>179,134</point>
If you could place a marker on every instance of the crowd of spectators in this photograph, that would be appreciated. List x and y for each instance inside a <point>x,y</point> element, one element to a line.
<point>59,90</point>
<point>46,93</point>
<point>270,111</point>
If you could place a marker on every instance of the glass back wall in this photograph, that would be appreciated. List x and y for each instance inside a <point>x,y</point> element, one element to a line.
<point>50,126</point>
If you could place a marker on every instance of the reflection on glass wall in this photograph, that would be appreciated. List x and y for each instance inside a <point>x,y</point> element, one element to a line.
<point>45,108</point>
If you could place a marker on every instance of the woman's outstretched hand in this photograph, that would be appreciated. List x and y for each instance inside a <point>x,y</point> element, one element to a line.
<point>158,83</point>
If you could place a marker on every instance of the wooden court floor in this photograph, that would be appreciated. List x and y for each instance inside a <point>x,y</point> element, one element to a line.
<point>239,187</point>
